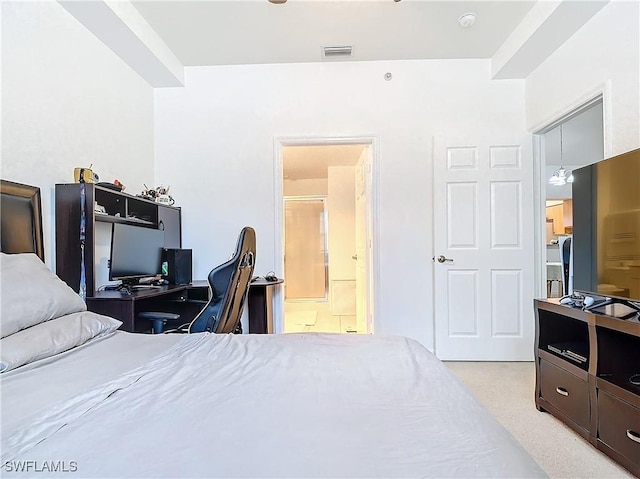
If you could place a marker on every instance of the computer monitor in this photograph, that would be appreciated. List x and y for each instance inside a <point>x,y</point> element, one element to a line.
<point>136,252</point>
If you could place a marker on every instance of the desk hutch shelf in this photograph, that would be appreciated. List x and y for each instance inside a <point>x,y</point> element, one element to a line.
<point>584,365</point>
<point>119,207</point>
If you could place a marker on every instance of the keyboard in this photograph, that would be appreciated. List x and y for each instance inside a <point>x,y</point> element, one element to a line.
<point>145,286</point>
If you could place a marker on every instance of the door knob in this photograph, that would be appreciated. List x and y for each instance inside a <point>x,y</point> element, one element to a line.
<point>442,259</point>
<point>355,256</point>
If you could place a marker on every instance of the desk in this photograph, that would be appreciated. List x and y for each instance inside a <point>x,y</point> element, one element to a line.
<point>185,299</point>
<point>261,305</point>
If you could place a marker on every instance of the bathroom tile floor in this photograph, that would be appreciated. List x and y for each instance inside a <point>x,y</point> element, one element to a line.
<point>317,322</point>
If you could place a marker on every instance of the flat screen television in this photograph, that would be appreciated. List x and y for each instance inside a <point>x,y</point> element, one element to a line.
<point>136,252</point>
<point>606,229</point>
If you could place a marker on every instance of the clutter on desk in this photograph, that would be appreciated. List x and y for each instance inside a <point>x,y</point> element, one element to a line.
<point>159,194</point>
<point>271,277</point>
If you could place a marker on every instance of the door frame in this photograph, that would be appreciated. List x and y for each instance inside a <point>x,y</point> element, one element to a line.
<point>602,92</point>
<point>372,216</point>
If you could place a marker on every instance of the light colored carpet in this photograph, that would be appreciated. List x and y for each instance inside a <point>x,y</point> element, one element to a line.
<point>506,390</point>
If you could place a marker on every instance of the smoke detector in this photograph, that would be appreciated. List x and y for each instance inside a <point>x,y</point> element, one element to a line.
<point>467,20</point>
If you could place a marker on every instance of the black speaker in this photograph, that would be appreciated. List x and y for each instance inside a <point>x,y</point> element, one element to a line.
<point>176,265</point>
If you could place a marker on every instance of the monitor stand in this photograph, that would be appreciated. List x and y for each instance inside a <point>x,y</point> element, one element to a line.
<point>618,308</point>
<point>127,285</point>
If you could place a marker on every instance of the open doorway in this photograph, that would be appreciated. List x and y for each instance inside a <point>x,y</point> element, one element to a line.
<point>570,142</point>
<point>327,237</point>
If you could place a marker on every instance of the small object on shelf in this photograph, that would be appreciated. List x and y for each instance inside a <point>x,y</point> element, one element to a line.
<point>163,196</point>
<point>159,195</point>
<point>574,351</point>
<point>147,194</point>
<point>99,209</point>
<point>578,300</point>
<point>111,186</point>
<point>87,175</point>
<point>165,200</point>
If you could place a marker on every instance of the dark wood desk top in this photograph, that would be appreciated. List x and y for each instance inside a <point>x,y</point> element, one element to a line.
<point>138,294</point>
<point>184,299</point>
<point>263,282</point>
<point>168,289</point>
<point>203,283</point>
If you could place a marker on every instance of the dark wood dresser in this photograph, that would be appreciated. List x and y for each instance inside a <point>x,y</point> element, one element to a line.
<point>584,368</point>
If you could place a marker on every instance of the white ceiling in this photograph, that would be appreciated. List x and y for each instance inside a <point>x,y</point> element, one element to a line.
<point>219,32</point>
<point>312,162</point>
<point>516,35</point>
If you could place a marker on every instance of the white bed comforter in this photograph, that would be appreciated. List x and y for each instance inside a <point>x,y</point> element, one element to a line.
<point>273,406</point>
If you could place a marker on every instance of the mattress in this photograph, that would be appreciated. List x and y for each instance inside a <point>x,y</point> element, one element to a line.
<point>32,388</point>
<point>293,405</point>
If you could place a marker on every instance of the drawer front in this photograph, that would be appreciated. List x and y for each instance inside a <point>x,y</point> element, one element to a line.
<point>566,392</point>
<point>619,426</point>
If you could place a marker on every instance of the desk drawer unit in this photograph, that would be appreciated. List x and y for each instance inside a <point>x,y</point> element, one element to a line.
<point>619,426</point>
<point>566,392</point>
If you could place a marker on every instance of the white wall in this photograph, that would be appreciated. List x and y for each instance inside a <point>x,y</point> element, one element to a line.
<point>603,54</point>
<point>215,144</point>
<point>67,101</point>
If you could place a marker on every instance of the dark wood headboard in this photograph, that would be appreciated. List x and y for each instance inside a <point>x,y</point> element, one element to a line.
<point>21,218</point>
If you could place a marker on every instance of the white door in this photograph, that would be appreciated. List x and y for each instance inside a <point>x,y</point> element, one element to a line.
<point>483,248</point>
<point>361,254</point>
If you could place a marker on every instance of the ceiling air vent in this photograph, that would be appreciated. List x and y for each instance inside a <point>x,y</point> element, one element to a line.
<point>337,52</point>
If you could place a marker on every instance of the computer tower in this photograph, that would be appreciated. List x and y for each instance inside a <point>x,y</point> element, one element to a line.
<point>176,265</point>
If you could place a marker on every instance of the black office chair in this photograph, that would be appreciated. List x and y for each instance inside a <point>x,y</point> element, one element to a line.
<point>228,287</point>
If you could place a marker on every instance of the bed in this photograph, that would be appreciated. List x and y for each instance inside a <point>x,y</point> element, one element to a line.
<point>81,398</point>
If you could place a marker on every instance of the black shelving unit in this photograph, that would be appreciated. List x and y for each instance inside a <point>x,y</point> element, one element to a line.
<point>119,207</point>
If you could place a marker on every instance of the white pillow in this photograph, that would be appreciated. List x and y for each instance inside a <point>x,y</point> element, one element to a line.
<point>53,337</point>
<point>31,294</point>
